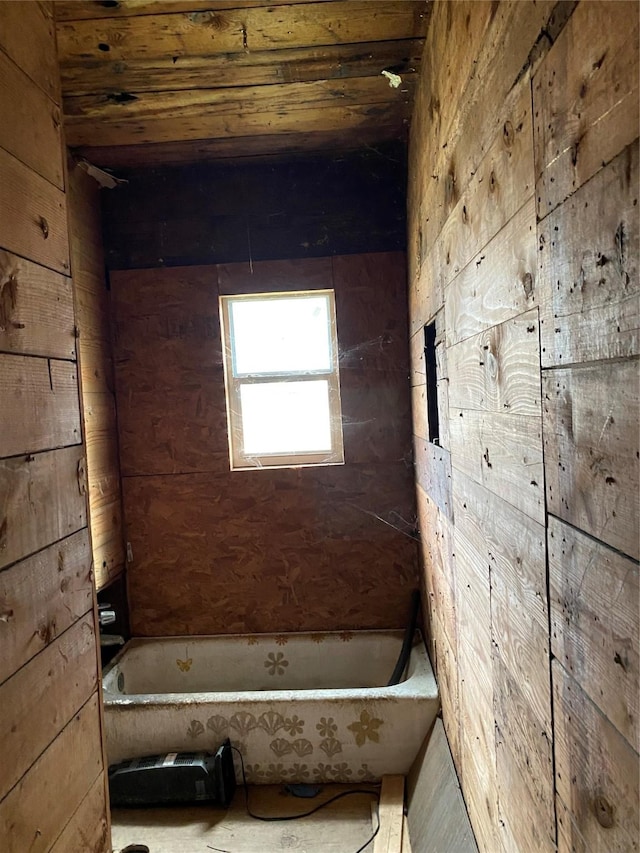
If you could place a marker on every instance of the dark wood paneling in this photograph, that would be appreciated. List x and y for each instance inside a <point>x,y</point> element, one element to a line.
<point>300,208</point>
<point>315,548</point>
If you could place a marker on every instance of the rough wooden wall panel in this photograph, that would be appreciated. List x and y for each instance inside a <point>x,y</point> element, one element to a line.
<point>33,216</point>
<point>589,249</point>
<point>500,281</point>
<point>50,732</point>
<point>40,409</point>
<point>34,134</point>
<point>493,116</point>
<point>41,597</point>
<point>96,376</point>
<point>587,578</point>
<point>44,695</point>
<point>586,99</point>
<point>27,36</point>
<point>591,416</point>
<point>88,829</point>
<point>262,548</point>
<point>36,309</point>
<point>596,772</point>
<point>34,813</point>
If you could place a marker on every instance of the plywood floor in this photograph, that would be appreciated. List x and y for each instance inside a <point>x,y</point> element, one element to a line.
<point>340,828</point>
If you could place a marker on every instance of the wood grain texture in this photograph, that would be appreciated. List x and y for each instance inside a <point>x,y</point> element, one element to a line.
<point>585,98</point>
<point>436,812</point>
<point>591,416</point>
<point>43,696</point>
<point>36,309</point>
<point>78,10</point>
<point>594,623</point>
<point>433,474</point>
<point>499,369</point>
<point>33,134</point>
<point>236,30</point>
<point>32,814</point>
<point>502,453</point>
<point>215,113</point>
<point>588,269</point>
<point>35,55</point>
<point>255,68</point>
<point>96,371</point>
<point>41,500</point>
<point>390,814</point>
<point>41,597</point>
<point>596,772</point>
<point>524,767</point>
<point>499,283</point>
<point>33,216</point>
<point>42,410</point>
<point>88,830</point>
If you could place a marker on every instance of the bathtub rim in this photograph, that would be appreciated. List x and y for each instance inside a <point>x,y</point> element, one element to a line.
<point>411,687</point>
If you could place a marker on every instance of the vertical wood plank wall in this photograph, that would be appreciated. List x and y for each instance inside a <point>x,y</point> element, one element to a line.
<point>523,249</point>
<point>93,321</point>
<point>216,551</point>
<point>52,780</point>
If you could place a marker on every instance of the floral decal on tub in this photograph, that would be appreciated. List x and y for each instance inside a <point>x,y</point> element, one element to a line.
<point>366,728</point>
<point>276,663</point>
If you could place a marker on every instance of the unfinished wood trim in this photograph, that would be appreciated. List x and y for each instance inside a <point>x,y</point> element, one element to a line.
<point>390,815</point>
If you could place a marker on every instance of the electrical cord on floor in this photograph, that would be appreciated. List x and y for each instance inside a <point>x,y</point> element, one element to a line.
<point>317,808</point>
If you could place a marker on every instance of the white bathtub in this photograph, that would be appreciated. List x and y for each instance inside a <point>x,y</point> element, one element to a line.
<point>300,707</point>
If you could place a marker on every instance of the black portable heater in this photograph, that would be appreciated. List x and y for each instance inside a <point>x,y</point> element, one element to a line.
<point>174,778</point>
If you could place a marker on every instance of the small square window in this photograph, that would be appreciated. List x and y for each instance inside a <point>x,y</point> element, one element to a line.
<point>281,378</point>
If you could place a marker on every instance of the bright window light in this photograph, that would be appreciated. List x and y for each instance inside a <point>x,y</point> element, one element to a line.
<point>281,376</point>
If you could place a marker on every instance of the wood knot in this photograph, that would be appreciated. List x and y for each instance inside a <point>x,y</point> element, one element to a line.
<point>527,284</point>
<point>44,227</point>
<point>604,812</point>
<point>507,134</point>
<point>465,215</point>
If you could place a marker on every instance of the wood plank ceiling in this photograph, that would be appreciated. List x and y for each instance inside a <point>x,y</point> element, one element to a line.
<point>151,81</point>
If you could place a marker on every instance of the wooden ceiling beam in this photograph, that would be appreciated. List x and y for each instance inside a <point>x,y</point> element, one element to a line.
<point>81,10</point>
<point>232,149</point>
<point>270,67</point>
<point>247,29</point>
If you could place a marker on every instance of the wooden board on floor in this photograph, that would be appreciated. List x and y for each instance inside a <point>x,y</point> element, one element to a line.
<point>339,828</point>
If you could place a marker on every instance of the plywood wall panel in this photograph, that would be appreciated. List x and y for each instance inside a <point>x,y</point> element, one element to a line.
<point>42,409</point>
<point>585,97</point>
<point>596,771</point>
<point>36,309</point>
<point>34,134</point>
<point>41,597</point>
<point>589,248</point>
<point>591,416</point>
<point>282,530</point>
<point>41,500</point>
<point>594,623</point>
<point>43,696</point>
<point>32,814</point>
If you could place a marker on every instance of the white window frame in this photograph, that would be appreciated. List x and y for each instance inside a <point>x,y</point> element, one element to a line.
<point>239,461</point>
